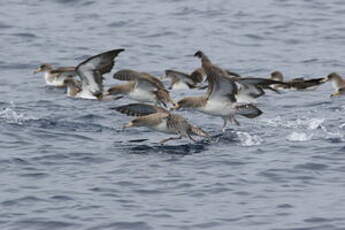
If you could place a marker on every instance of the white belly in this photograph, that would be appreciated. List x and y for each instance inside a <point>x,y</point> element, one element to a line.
<point>162,127</point>
<point>142,95</point>
<point>336,85</point>
<point>218,108</point>
<point>86,95</point>
<point>180,85</point>
<point>53,81</point>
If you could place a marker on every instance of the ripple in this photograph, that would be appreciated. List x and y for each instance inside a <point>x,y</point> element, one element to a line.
<point>42,224</point>
<point>123,225</point>
<point>183,149</point>
<point>61,198</point>
<point>25,35</point>
<point>27,200</point>
<point>312,166</point>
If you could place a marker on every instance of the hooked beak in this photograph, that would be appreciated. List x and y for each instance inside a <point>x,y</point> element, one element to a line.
<point>37,70</point>
<point>128,125</point>
<point>325,79</point>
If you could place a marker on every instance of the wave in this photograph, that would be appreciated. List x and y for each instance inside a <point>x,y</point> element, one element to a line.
<point>10,116</point>
<point>247,139</point>
<point>304,122</point>
<point>299,136</point>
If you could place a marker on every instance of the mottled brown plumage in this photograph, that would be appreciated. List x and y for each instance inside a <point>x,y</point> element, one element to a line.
<point>159,119</point>
<point>131,75</point>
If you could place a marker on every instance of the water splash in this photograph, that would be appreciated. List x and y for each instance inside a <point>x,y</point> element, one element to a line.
<point>9,115</point>
<point>306,123</point>
<point>299,136</point>
<point>247,139</point>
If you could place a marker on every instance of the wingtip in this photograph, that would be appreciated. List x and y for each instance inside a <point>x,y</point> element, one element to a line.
<point>117,51</point>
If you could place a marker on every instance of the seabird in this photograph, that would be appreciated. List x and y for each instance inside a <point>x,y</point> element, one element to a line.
<point>220,99</point>
<point>141,87</point>
<point>180,80</point>
<point>91,73</point>
<point>296,83</point>
<point>159,119</point>
<point>338,83</point>
<point>56,77</point>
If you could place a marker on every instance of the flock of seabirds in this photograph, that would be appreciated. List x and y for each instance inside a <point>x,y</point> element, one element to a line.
<point>226,95</point>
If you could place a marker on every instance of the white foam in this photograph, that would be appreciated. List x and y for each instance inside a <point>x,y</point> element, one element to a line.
<point>9,115</point>
<point>315,123</point>
<point>299,136</point>
<point>306,123</point>
<point>249,140</point>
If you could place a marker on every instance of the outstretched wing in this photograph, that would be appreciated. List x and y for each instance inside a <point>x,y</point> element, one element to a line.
<point>233,74</point>
<point>303,84</point>
<point>180,76</point>
<point>222,87</point>
<point>253,87</point>
<point>126,75</point>
<point>138,109</point>
<point>91,70</point>
<point>142,77</point>
<point>261,82</point>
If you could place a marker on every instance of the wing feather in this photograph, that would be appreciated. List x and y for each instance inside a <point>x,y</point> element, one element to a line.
<point>91,70</point>
<point>220,85</point>
<point>138,109</point>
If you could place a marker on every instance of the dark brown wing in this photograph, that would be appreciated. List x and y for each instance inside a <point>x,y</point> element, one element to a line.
<point>132,75</point>
<point>138,109</point>
<point>306,83</point>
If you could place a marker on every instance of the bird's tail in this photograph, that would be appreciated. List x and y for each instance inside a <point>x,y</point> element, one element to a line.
<point>198,131</point>
<point>248,110</point>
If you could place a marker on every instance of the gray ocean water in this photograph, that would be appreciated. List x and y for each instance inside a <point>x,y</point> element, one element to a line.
<point>67,164</point>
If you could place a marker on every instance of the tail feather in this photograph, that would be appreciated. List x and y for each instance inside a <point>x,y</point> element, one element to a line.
<point>248,110</point>
<point>198,131</point>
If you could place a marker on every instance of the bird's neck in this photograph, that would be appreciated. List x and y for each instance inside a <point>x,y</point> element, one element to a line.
<point>205,62</point>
